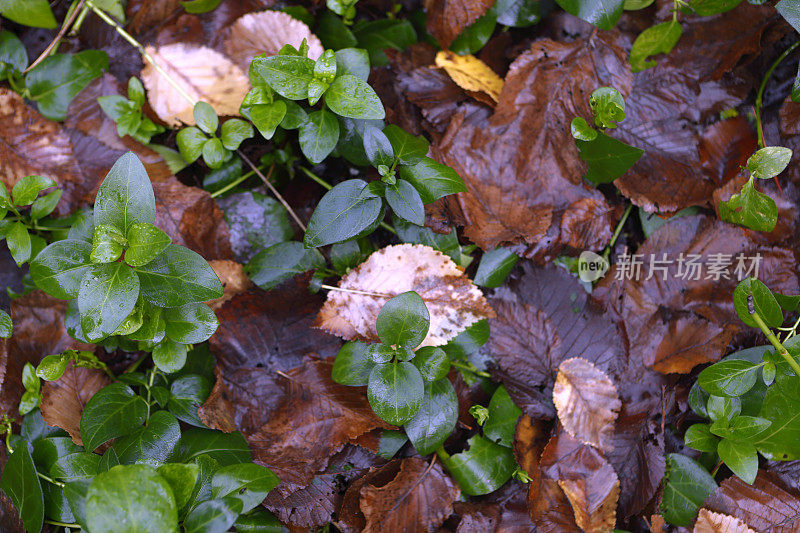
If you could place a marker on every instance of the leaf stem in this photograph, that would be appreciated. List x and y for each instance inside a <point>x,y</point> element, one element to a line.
<point>791,331</point>
<point>62,524</point>
<point>50,480</point>
<point>272,188</point>
<point>469,367</point>
<point>780,348</point>
<point>62,32</point>
<point>234,183</point>
<point>760,94</point>
<point>443,455</point>
<point>150,386</point>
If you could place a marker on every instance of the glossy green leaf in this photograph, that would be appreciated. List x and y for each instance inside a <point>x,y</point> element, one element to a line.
<point>107,295</point>
<point>19,242</point>
<point>36,13</point>
<point>403,320</point>
<point>483,468</point>
<point>153,327</point>
<point>581,130</point>
<point>52,367</point>
<point>769,162</point>
<point>350,96</point>
<point>267,117</point>
<point>318,136</point>
<point>20,483</point>
<point>723,408</point>
<point>45,205</point>
<point>377,147</point>
<point>432,180</point>
<point>75,493</point>
<point>114,411</point>
<point>602,13</point>
<point>395,392</point>
<point>247,482</point>
<point>225,448</point>
<point>82,465</point>
<point>408,149</point>
<point>255,221</point>
<point>295,116</point>
<point>406,202</point>
<point>518,13</point>
<point>169,356</point>
<point>353,61</point>
<point>200,6</point>
<point>495,266</point>
<point>376,36</point>
<point>131,499</point>
<point>503,416</point>
<point>145,242</point>
<point>698,437</point>
<point>686,486</point>
<point>190,143</point>
<point>13,56</point>
<point>740,457</point>
<point>764,303</point>
<point>707,8</point>
<point>191,323</point>
<point>288,76</point>
<point>28,188</point>
<point>181,479</point>
<point>55,81</point>
<point>476,35</point>
<point>607,158</point>
<point>205,117</point>
<point>436,419</point>
<point>282,261</point>
<point>6,326</point>
<point>658,39</point>
<point>432,363</point>
<point>790,10</point>
<point>178,276</point>
<point>352,365</point>
<point>107,244</point>
<point>214,154</point>
<point>234,132</point>
<point>126,196</point>
<point>781,441</point>
<point>213,516</point>
<point>732,377</point>
<point>258,521</point>
<point>342,214</point>
<point>187,394</point>
<point>750,209</point>
<point>153,443</point>
<point>748,427</point>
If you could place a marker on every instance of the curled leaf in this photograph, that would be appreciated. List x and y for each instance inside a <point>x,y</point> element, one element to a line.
<point>471,74</point>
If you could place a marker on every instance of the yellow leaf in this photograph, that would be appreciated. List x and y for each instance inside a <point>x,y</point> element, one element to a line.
<point>470,73</point>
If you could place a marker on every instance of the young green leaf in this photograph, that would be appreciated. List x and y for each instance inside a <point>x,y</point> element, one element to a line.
<point>764,303</point>
<point>187,394</point>
<point>432,363</point>
<point>114,411</point>
<point>436,419</point>
<point>350,96</point>
<point>750,209</point>
<point>288,76</point>
<point>483,468</point>
<point>408,149</point>
<point>129,499</point>
<point>28,188</point>
<point>732,377</point>
<point>608,107</point>
<point>54,82</point>
<point>234,132</point>
<point>176,277</point>
<point>686,486</point>
<point>769,162</point>
<point>658,39</point>
<point>191,323</point>
<point>152,443</point>
<point>19,242</point>
<point>353,61</point>
<point>406,202</point>
<point>343,213</point>
<point>169,356</point>
<point>748,427</point>
<point>403,320</point>
<point>352,365</point>
<point>145,242</point>
<point>581,130</point>
<point>503,416</point>
<point>267,117</point>
<point>432,180</point>
<point>190,143</point>
<point>108,242</point>
<point>699,437</point>
<point>52,367</point>
<point>214,154</point>
<point>107,295</point>
<point>740,457</point>
<point>607,158</point>
<point>247,482</point>
<point>181,479</point>
<point>494,267</point>
<point>125,196</point>
<point>319,135</point>
<point>377,147</point>
<point>212,516</point>
<point>205,117</point>
<point>723,408</point>
<point>279,262</point>
<point>45,205</point>
<point>395,392</point>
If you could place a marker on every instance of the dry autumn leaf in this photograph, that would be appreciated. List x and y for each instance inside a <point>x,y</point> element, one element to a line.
<point>202,72</point>
<point>593,514</point>
<point>453,301</point>
<point>471,74</point>
<point>587,402</point>
<point>710,522</point>
<point>234,280</point>
<point>448,18</point>
<point>266,32</point>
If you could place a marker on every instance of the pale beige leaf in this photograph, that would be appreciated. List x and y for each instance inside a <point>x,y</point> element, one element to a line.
<point>594,499</point>
<point>587,402</point>
<point>453,301</point>
<point>234,280</point>
<point>265,33</point>
<point>202,73</point>
<point>471,74</point>
<point>711,522</point>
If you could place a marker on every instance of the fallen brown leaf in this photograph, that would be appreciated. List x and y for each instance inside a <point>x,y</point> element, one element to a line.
<point>471,74</point>
<point>217,411</point>
<point>234,280</point>
<point>448,18</point>
<point>453,301</point>
<point>503,511</point>
<point>203,73</point>
<point>710,522</point>
<point>587,403</point>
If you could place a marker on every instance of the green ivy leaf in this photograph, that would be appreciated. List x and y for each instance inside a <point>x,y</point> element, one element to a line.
<point>279,262</point>
<point>125,196</point>
<point>748,427</point>
<point>190,143</point>
<point>267,117</point>
<point>181,479</point>
<point>495,266</point>
<point>19,242</point>
<point>205,117</point>
<point>432,180</point>
<point>607,158</point>
<point>403,320</point>
<point>191,323</point>
<point>376,36</point>
<point>343,213</point>
<point>581,130</point>
<point>699,437</point>
<point>319,135</point>
<point>750,209</point>
<point>723,408</point>
<point>21,484</point>
<point>145,242</point>
<point>740,457</point>
<point>503,415</point>
<point>658,39</point>
<point>13,56</point>
<point>107,295</point>
<point>687,485</point>
<point>130,499</point>
<point>769,162</point>
<point>108,243</point>
<point>352,365</point>
<point>28,188</point>
<point>45,205</point>
<point>408,149</point>
<point>764,303</point>
<point>54,82</point>
<point>152,443</point>
<point>247,482</point>
<point>732,377</point>
<point>225,448</point>
<point>406,202</point>
<point>187,394</point>
<point>436,419</point>
<point>36,13</point>
<point>234,132</point>
<point>288,76</point>
<point>212,516</point>
<point>781,441</point>
<point>377,147</point>
<point>114,411</point>
<point>518,13</point>
<point>602,13</point>
<point>350,96</point>
<point>432,363</point>
<point>395,392</point>
<point>178,276</point>
<point>483,468</point>
<point>169,356</point>
<point>52,367</point>
<point>6,326</point>
<point>353,61</point>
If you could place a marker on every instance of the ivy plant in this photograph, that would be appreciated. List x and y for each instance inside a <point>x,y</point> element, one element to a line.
<point>202,140</point>
<point>125,278</point>
<point>128,115</point>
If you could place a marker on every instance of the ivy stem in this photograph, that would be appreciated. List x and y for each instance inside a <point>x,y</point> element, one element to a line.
<point>443,455</point>
<point>234,183</point>
<point>272,188</point>
<point>50,480</point>
<point>62,32</point>
<point>328,187</point>
<point>792,330</point>
<point>62,524</point>
<point>470,368</point>
<point>760,94</point>
<point>780,348</point>
<point>617,231</point>
<point>149,386</point>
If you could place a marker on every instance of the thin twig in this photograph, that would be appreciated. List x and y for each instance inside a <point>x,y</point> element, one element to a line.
<point>272,189</point>
<point>356,291</point>
<point>62,32</point>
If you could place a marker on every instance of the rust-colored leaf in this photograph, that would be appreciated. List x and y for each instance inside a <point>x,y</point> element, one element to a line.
<point>448,18</point>
<point>710,522</point>
<point>217,411</point>
<point>234,280</point>
<point>453,301</point>
<point>587,403</point>
<point>63,400</point>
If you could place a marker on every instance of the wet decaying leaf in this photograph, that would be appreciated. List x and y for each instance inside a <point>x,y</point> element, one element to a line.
<point>764,506</point>
<point>448,18</point>
<point>217,411</point>
<point>503,510</point>
<point>265,33</point>
<point>520,163</point>
<point>674,322</point>
<point>203,73</point>
<point>709,522</point>
<point>63,400</point>
<point>544,318</point>
<point>587,402</point>
<point>234,280</point>
<point>315,420</point>
<point>453,301</point>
